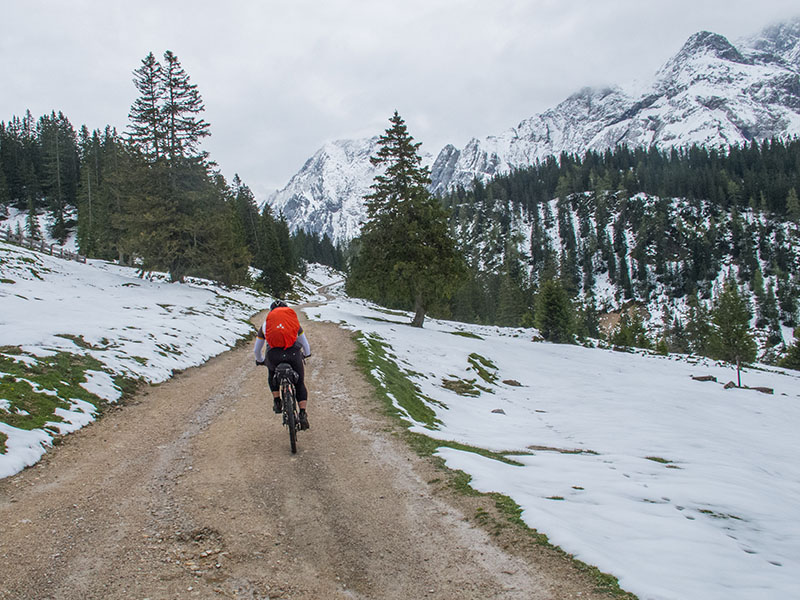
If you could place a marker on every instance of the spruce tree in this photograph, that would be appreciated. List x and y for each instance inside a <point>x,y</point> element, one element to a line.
<point>792,358</point>
<point>793,207</point>
<point>269,259</point>
<point>182,106</point>
<point>147,128</point>
<point>698,327</point>
<point>553,315</point>
<point>407,256</point>
<point>731,339</point>
<point>60,171</point>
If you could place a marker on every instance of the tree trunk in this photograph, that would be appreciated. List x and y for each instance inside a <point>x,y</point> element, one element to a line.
<point>739,371</point>
<point>419,310</point>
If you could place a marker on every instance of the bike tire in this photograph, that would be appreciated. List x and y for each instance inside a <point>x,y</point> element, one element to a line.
<point>291,421</point>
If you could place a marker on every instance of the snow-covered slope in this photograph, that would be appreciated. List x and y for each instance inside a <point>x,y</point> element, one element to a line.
<point>680,488</point>
<point>711,92</point>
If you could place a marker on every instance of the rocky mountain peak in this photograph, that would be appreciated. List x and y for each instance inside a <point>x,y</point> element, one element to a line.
<point>710,93</point>
<point>781,40</point>
<point>706,42</point>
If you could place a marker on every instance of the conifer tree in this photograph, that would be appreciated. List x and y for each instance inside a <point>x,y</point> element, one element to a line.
<point>631,332</point>
<point>792,358</point>
<point>32,229</point>
<point>553,315</point>
<point>147,131</point>
<point>731,339</point>
<point>407,256</point>
<point>5,197</point>
<point>698,327</point>
<point>269,259</point>
<point>60,170</point>
<point>182,106</point>
<point>248,214</point>
<point>793,206</point>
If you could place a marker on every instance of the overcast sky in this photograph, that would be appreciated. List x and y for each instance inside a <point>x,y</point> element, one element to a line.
<point>279,79</point>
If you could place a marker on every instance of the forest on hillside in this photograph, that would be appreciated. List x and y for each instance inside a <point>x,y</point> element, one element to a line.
<point>151,196</point>
<point>645,228</point>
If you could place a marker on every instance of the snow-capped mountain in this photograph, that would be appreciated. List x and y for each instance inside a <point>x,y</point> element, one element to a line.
<point>711,92</point>
<point>325,196</point>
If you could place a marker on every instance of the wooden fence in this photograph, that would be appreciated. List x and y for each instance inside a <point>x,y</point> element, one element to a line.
<point>6,235</point>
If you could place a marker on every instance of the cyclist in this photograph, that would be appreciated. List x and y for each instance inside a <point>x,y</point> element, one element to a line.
<point>285,342</point>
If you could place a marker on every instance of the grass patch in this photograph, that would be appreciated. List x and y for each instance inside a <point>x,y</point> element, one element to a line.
<point>462,387</point>
<point>35,391</point>
<point>382,320</point>
<point>77,340</point>
<point>394,313</point>
<point>563,450</point>
<point>658,459</point>
<point>372,356</point>
<point>466,334</point>
<point>3,440</point>
<point>483,367</point>
<point>4,280</point>
<point>427,446</point>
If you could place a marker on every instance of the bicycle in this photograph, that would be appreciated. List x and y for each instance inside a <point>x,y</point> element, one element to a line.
<point>286,377</point>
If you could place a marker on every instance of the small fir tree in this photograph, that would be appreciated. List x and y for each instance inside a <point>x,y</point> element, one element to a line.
<point>792,358</point>
<point>731,339</point>
<point>698,326</point>
<point>553,315</point>
<point>793,206</point>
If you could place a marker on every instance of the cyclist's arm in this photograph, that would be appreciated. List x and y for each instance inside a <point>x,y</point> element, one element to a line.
<point>259,349</point>
<point>304,343</point>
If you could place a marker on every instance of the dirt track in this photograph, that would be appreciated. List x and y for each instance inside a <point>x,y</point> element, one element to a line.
<point>189,491</point>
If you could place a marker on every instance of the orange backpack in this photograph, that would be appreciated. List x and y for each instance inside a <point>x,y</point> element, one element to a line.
<point>282,327</point>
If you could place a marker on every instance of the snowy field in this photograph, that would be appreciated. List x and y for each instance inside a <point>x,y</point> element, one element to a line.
<point>680,488</point>
<point>137,328</point>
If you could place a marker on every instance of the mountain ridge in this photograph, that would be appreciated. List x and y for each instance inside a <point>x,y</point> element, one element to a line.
<point>711,92</point>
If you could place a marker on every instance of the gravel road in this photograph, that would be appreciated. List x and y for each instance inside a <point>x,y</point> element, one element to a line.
<point>189,491</point>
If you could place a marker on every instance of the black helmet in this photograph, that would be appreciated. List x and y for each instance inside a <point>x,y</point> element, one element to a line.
<point>276,304</point>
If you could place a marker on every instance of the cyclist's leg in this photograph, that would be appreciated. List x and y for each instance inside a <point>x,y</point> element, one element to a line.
<point>296,360</point>
<point>273,360</point>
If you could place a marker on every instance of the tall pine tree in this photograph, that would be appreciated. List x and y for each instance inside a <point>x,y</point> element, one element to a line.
<point>407,256</point>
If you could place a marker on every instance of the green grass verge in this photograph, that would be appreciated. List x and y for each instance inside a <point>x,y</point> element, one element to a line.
<point>371,355</point>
